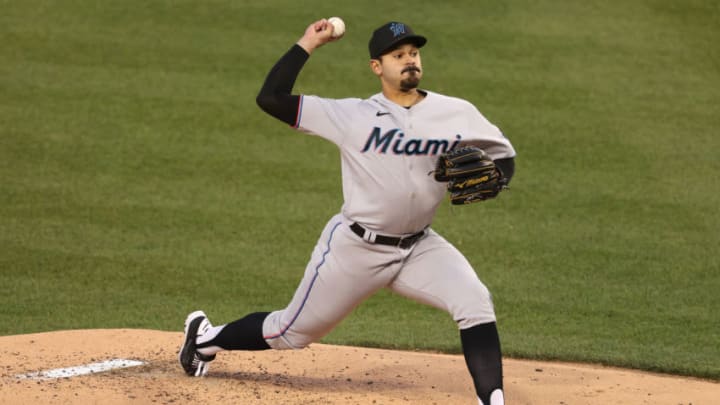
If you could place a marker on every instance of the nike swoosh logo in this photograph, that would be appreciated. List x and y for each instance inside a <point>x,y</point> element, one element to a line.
<point>380,113</point>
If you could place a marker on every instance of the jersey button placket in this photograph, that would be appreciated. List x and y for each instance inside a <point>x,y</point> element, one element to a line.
<point>409,125</point>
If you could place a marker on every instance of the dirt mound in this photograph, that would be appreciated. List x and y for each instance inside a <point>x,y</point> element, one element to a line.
<point>321,374</point>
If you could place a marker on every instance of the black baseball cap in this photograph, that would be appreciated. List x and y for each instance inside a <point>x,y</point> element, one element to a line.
<point>387,37</point>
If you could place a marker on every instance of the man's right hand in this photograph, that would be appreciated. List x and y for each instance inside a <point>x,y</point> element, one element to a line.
<point>316,35</point>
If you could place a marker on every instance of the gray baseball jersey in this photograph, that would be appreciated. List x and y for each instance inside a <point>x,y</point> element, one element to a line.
<point>387,154</point>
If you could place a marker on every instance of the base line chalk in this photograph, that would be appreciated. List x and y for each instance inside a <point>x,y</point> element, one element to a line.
<point>84,369</point>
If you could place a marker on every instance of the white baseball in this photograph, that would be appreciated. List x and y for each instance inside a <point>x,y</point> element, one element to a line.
<point>338,26</point>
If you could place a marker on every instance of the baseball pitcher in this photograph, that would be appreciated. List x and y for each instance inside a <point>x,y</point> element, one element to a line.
<point>402,150</point>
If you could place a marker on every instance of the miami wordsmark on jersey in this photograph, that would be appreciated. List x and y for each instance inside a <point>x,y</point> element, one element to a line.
<point>387,152</point>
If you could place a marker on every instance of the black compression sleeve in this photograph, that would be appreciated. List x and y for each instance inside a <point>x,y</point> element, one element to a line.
<point>507,167</point>
<point>274,97</point>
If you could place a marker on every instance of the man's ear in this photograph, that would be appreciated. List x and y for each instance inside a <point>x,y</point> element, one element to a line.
<point>376,66</point>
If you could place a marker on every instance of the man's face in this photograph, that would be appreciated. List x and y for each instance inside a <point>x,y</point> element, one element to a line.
<point>400,68</point>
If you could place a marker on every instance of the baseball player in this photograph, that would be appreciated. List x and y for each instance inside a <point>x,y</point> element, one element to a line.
<point>381,238</point>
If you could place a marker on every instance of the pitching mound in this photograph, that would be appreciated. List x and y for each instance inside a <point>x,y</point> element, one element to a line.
<point>140,367</point>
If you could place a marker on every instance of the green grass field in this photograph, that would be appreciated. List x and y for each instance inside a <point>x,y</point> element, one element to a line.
<point>139,181</point>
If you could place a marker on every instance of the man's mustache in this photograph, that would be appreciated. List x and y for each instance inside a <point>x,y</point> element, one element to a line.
<point>411,69</point>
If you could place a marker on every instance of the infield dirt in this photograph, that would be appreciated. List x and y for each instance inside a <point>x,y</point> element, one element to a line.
<point>320,374</point>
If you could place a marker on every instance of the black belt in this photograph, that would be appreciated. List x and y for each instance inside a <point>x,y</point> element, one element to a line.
<point>403,243</point>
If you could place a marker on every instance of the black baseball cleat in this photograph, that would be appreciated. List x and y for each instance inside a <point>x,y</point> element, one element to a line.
<point>195,364</point>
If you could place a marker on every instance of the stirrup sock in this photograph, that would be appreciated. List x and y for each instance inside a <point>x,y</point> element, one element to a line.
<point>243,334</point>
<point>481,348</point>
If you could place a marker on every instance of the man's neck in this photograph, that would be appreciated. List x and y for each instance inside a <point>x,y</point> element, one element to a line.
<point>404,98</point>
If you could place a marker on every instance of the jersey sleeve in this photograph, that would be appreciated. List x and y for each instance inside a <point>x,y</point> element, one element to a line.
<point>488,137</point>
<point>325,117</point>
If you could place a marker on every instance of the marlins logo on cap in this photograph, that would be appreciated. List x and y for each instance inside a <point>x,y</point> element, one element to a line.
<point>390,35</point>
<point>397,28</point>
